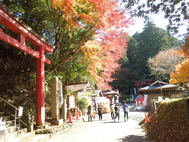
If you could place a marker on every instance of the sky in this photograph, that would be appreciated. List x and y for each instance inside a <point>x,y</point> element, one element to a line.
<point>158,20</point>
<point>138,26</point>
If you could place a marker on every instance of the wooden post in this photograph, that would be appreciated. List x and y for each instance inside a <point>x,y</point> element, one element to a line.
<point>187,109</point>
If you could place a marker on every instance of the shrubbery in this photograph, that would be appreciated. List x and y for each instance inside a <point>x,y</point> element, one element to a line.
<point>169,124</point>
<point>82,103</point>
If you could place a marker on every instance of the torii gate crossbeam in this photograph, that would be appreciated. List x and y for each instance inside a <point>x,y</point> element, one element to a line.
<point>26,35</point>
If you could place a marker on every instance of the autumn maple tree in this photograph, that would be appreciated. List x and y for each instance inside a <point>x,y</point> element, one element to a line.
<point>103,40</point>
<point>181,73</point>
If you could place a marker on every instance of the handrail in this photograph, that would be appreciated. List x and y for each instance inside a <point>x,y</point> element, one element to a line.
<point>9,103</point>
<point>16,109</point>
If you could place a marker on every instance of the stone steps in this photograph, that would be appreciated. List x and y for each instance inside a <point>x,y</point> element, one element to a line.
<point>18,135</point>
<point>12,132</point>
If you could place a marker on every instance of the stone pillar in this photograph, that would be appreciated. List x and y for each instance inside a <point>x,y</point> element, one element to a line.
<point>56,101</point>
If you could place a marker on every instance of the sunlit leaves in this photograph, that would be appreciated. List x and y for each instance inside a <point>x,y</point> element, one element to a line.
<point>181,73</point>
<point>74,11</point>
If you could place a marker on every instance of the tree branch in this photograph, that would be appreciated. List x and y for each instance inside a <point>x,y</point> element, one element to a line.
<point>76,49</point>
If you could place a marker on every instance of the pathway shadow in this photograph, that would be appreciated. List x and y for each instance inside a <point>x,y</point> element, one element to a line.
<point>132,109</point>
<point>113,122</point>
<point>133,138</point>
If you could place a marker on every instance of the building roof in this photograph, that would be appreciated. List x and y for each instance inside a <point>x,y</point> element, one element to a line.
<point>159,86</point>
<point>110,92</point>
<point>158,83</point>
<point>79,87</point>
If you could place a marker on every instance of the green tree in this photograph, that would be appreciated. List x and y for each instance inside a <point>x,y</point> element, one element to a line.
<point>150,42</point>
<point>141,47</point>
<point>123,80</point>
<point>33,13</point>
<point>82,103</point>
<point>133,51</point>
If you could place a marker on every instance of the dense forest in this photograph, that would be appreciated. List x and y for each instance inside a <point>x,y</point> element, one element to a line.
<point>143,47</point>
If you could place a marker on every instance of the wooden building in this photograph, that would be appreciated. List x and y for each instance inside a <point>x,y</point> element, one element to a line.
<point>73,91</point>
<point>160,89</point>
<point>112,95</point>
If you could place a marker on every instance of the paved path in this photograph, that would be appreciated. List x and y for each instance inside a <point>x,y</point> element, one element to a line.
<point>106,130</point>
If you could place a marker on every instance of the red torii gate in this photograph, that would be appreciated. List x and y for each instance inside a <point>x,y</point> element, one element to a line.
<point>42,47</point>
<point>144,82</point>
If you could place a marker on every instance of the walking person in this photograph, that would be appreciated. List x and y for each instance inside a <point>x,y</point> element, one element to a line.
<point>100,112</point>
<point>125,111</point>
<point>89,113</point>
<point>112,111</point>
<point>116,108</point>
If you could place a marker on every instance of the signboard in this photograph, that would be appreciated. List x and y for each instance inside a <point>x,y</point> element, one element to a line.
<point>145,100</point>
<point>20,111</point>
<point>160,98</point>
<point>154,105</point>
<point>72,101</point>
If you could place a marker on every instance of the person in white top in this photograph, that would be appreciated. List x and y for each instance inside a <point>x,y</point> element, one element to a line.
<point>112,110</point>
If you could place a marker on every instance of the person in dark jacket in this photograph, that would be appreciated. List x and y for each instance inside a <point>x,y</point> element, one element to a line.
<point>125,110</point>
<point>89,113</point>
<point>116,108</point>
<point>100,112</point>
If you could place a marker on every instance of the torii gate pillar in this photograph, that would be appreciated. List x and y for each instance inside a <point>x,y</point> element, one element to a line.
<point>42,47</point>
<point>40,94</point>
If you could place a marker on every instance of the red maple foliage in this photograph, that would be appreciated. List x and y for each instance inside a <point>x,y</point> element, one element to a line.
<point>102,54</point>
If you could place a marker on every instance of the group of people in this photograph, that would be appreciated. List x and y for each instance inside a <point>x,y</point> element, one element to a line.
<point>117,107</point>
<point>114,109</point>
<point>89,112</point>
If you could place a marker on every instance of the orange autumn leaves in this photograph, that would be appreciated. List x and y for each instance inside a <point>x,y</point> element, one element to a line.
<point>181,73</point>
<point>72,10</point>
<point>109,39</point>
